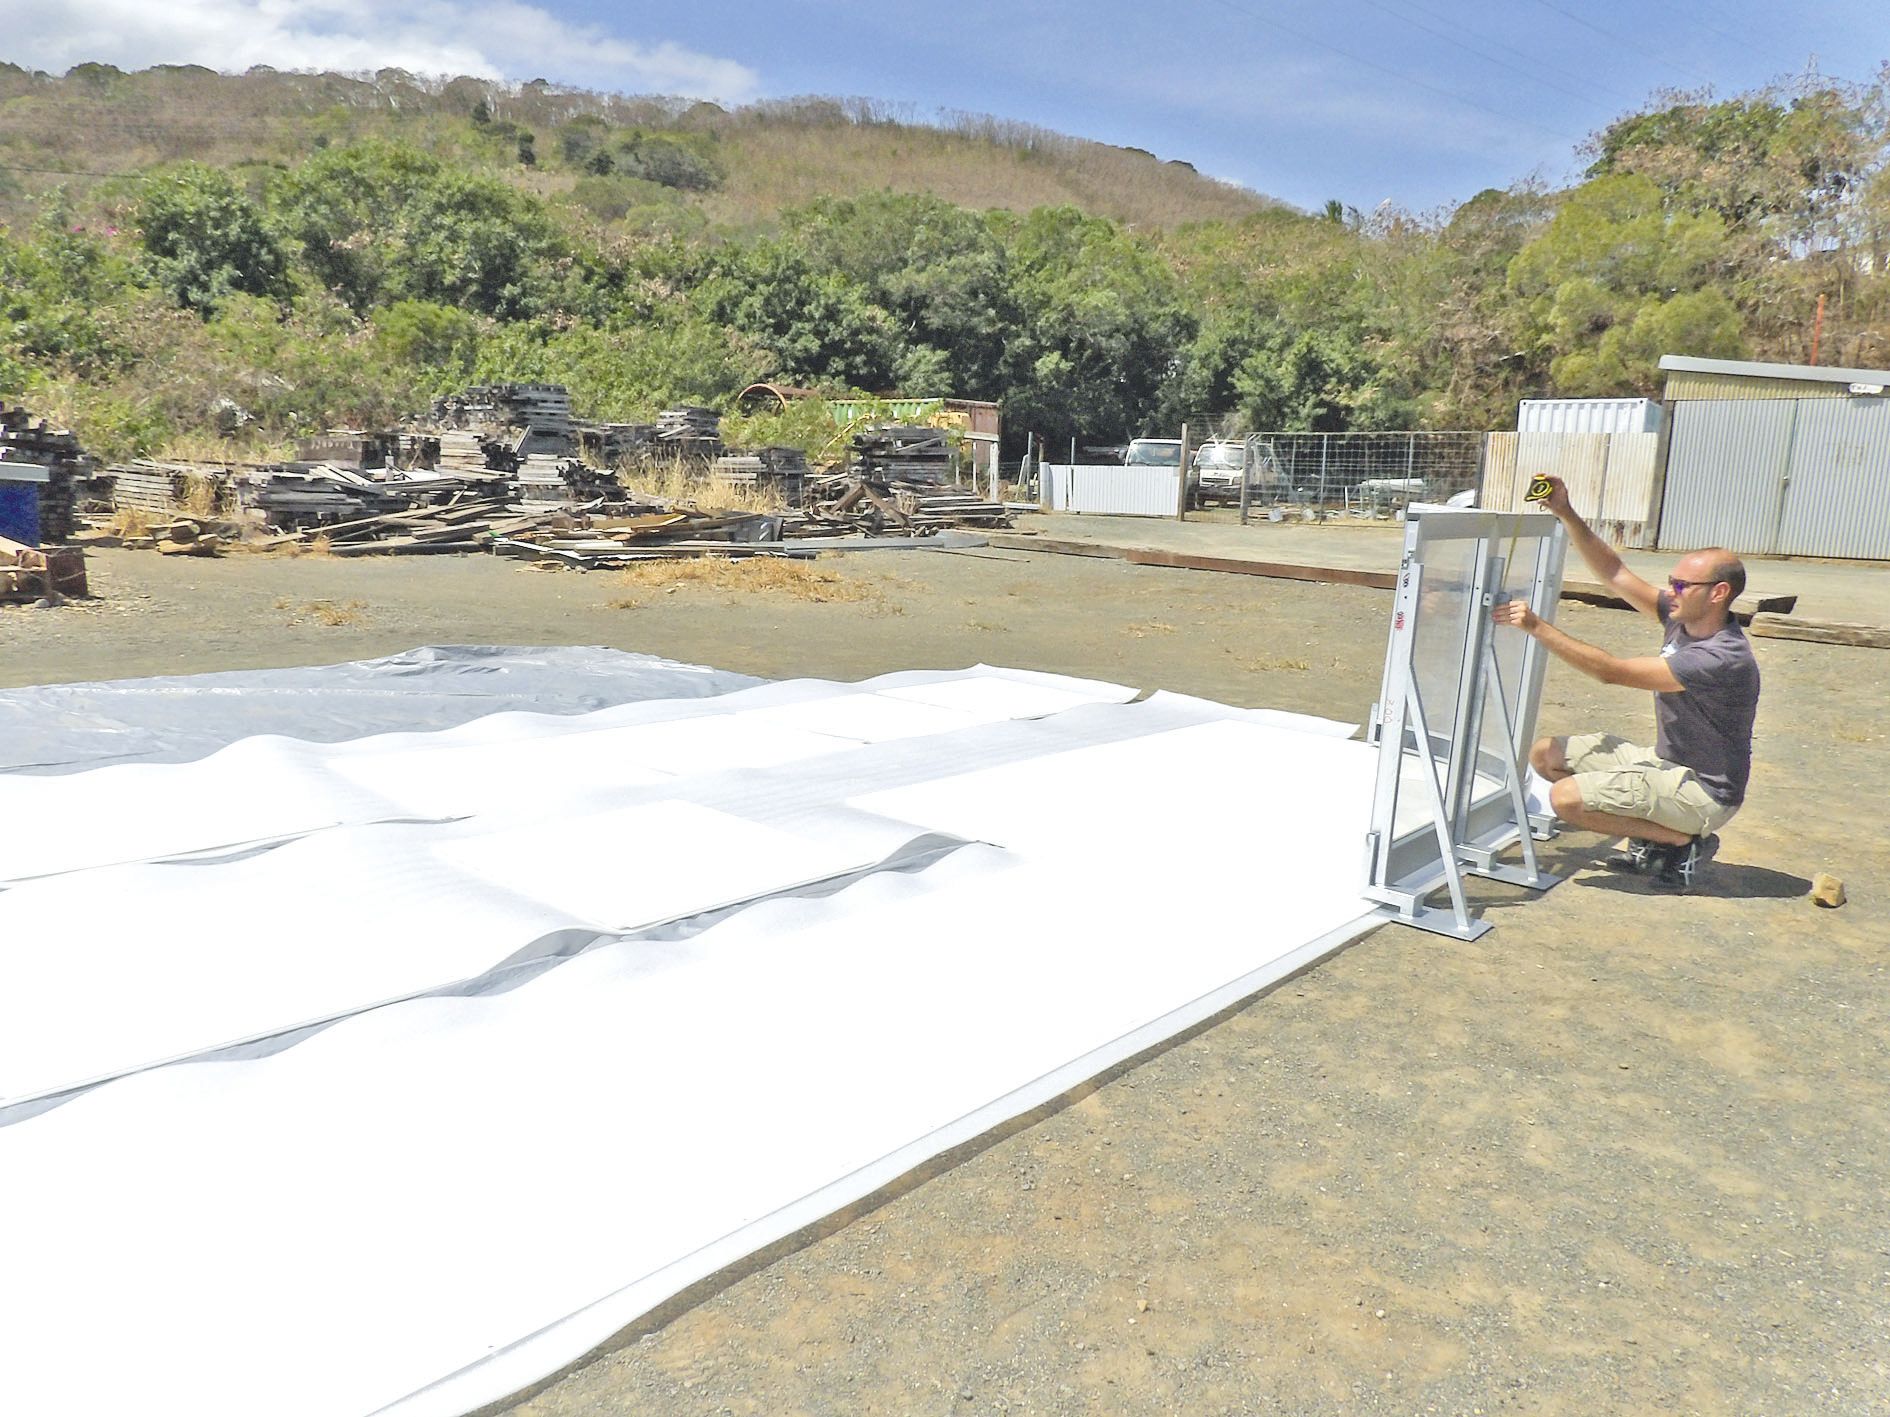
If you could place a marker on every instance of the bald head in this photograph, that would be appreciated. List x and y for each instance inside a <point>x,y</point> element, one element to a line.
<point>1722,565</point>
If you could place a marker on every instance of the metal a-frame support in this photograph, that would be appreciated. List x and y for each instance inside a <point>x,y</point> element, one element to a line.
<point>1472,792</point>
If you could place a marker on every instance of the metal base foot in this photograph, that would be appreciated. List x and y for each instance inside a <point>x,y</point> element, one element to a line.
<point>1439,922</point>
<point>1513,875</point>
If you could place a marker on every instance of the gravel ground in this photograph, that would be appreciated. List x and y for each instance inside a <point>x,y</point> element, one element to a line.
<point>1626,1153</point>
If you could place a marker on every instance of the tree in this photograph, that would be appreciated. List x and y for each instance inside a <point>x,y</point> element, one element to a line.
<point>204,239</point>
<point>1597,278</point>
<point>939,272</point>
<point>380,222</point>
<point>816,327</point>
<point>1100,327</point>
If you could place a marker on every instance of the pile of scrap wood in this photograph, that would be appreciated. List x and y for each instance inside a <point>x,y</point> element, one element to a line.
<point>173,536</point>
<point>49,573</point>
<point>874,508</point>
<point>465,523</point>
<point>291,496</point>
<point>545,477</point>
<point>617,541</point>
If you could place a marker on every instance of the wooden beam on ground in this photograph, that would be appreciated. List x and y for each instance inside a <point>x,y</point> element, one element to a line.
<point>1824,632</point>
<point>1752,603</point>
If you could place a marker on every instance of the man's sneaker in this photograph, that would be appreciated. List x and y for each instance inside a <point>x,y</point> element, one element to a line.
<point>1681,865</point>
<point>1634,857</point>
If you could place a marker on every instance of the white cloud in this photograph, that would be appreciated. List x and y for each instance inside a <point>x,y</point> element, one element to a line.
<point>497,39</point>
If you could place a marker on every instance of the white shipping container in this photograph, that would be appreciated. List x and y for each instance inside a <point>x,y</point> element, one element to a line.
<point>1588,416</point>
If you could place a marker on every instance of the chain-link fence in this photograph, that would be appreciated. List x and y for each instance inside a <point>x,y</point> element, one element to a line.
<point>1356,474</point>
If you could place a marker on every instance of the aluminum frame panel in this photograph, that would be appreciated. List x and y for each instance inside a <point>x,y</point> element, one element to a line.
<point>1457,711</point>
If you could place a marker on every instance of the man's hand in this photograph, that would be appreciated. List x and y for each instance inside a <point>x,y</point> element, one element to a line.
<point>1557,500</point>
<point>1516,613</point>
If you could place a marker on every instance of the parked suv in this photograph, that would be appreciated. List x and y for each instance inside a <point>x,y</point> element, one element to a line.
<point>1217,468</point>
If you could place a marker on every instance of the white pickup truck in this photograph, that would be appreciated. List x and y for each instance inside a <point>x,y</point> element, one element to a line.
<point>1153,452</point>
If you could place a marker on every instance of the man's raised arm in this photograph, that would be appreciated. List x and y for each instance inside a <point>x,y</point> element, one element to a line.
<point>1602,558</point>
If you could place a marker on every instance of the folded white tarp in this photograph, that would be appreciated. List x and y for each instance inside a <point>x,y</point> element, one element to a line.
<point>764,976</point>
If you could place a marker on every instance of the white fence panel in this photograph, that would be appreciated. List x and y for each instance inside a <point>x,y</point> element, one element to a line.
<point>1111,489</point>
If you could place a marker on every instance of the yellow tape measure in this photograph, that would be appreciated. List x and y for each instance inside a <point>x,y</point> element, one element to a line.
<point>1539,489</point>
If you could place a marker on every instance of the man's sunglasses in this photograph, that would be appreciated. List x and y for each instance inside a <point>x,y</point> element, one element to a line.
<point>1680,586</point>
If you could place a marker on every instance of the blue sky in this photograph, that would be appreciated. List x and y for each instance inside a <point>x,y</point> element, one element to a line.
<point>1418,102</point>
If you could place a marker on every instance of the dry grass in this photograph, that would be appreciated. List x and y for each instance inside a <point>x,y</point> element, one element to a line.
<point>129,522</point>
<point>756,575</point>
<point>206,497</point>
<point>1151,627</point>
<point>325,612</point>
<point>321,545</point>
<point>1267,665</point>
<point>209,446</point>
<point>690,483</point>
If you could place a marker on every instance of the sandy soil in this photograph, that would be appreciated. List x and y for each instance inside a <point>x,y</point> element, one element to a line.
<point>1627,1153</point>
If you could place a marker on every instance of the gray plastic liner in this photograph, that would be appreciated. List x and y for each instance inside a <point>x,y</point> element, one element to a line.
<point>61,728</point>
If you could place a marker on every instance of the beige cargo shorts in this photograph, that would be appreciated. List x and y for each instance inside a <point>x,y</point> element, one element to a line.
<point>1628,780</point>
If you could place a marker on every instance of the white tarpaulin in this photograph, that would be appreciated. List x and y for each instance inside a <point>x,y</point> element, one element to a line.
<point>518,1029</point>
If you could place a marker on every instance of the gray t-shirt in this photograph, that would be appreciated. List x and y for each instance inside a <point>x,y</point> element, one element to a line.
<point>1709,727</point>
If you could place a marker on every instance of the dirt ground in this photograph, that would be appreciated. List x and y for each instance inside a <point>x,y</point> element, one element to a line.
<point>1624,1154</point>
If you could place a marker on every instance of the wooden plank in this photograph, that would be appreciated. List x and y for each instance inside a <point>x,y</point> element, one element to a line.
<point>1752,603</point>
<point>1824,632</point>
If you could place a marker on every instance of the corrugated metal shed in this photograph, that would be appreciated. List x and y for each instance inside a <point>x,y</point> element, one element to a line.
<point>1689,378</point>
<point>1588,416</point>
<point>1777,459</point>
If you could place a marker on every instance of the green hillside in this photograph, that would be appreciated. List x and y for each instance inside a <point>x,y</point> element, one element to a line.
<point>202,262</point>
<point>766,156</point>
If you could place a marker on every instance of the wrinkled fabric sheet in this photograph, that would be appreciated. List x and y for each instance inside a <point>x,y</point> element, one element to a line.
<point>60,728</point>
<point>519,1066</point>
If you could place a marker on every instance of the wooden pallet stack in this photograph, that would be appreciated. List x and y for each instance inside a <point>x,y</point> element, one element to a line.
<point>780,470</point>
<point>613,443</point>
<point>26,439</point>
<point>689,431</point>
<point>896,453</point>
<point>546,477</point>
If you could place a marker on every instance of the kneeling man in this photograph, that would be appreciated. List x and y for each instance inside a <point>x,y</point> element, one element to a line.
<point>1670,799</point>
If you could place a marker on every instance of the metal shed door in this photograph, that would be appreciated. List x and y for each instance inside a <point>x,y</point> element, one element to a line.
<point>1726,466</point>
<point>1835,502</point>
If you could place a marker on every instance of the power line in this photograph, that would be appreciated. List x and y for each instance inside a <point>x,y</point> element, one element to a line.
<point>1633,44</point>
<point>1305,38</point>
<point>62,171</point>
<point>1468,48</point>
<point>1534,59</point>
